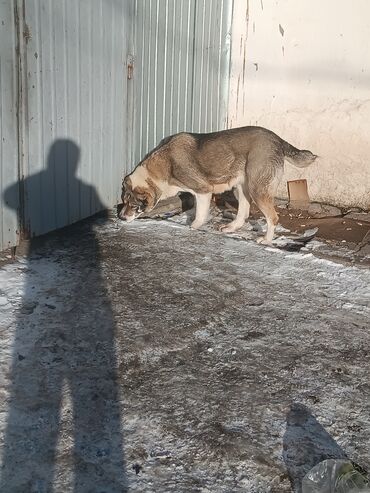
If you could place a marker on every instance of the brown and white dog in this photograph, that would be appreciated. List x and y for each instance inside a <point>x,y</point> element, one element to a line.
<point>249,160</point>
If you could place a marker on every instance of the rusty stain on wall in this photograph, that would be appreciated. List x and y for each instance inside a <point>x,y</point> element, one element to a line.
<point>26,33</point>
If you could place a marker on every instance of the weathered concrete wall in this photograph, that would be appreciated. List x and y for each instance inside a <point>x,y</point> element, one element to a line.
<point>302,69</point>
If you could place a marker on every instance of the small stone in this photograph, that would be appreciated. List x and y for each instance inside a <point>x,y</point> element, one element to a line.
<point>137,468</point>
<point>359,216</point>
<point>314,208</point>
<point>210,350</point>
<point>282,203</point>
<point>28,308</point>
<point>323,210</point>
<point>160,454</point>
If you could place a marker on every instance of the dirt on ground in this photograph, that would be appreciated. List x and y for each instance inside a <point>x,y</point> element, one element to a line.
<point>336,229</point>
<point>149,358</point>
<point>341,230</point>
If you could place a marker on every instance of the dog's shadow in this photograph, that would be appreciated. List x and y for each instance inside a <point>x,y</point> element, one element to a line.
<point>188,207</point>
<point>306,443</point>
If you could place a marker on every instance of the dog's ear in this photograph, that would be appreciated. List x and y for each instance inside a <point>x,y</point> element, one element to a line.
<point>126,185</point>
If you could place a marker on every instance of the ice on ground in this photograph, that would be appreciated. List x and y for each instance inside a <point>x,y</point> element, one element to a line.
<point>172,360</point>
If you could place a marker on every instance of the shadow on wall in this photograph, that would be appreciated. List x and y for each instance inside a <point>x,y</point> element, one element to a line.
<point>54,197</point>
<point>63,427</point>
<point>305,444</point>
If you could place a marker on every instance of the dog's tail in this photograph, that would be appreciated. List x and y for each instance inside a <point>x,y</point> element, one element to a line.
<point>301,159</point>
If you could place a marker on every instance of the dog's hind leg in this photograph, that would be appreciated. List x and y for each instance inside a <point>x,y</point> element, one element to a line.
<point>203,201</point>
<point>266,206</point>
<point>243,210</point>
<point>263,172</point>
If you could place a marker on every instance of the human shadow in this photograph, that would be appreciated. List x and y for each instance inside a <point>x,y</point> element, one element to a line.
<point>305,444</point>
<point>63,429</point>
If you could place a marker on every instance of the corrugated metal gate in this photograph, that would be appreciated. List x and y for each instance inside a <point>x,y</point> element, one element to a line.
<point>73,108</point>
<point>97,84</point>
<point>181,60</point>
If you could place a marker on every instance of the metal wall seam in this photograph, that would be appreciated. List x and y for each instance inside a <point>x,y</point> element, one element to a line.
<point>218,88</point>
<point>176,68</point>
<point>173,24</point>
<point>195,69</point>
<point>9,184</point>
<point>110,89</point>
<point>225,49</point>
<point>149,73</point>
<point>201,56</point>
<point>73,105</point>
<point>155,95</point>
<point>208,49</point>
<point>187,85</point>
<point>165,69</point>
<point>139,78</point>
<point>216,80</point>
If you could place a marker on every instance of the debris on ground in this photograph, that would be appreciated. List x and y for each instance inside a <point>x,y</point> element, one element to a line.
<point>340,237</point>
<point>358,216</point>
<point>317,210</point>
<point>298,194</point>
<point>148,357</point>
<point>335,475</point>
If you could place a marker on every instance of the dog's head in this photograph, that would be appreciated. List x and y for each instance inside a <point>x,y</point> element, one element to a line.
<point>136,200</point>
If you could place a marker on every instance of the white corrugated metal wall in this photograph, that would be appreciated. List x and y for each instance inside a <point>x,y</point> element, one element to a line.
<point>82,123</point>
<point>181,68</point>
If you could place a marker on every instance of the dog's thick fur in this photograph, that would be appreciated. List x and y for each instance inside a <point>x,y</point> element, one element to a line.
<point>249,160</point>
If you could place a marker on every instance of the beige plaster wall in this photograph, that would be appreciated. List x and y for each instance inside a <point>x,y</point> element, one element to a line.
<point>302,69</point>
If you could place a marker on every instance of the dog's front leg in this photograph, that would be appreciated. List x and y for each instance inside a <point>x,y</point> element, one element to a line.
<point>243,198</point>
<point>203,201</point>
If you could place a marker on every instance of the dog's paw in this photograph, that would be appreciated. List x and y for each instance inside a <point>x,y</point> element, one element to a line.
<point>227,228</point>
<point>262,241</point>
<point>230,227</point>
<point>196,225</point>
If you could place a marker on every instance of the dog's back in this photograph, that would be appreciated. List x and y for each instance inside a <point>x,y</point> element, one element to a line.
<point>220,157</point>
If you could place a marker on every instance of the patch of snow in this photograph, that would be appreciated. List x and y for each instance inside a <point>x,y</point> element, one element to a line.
<point>279,328</point>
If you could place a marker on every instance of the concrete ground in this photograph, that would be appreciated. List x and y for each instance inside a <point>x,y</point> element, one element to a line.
<point>147,357</point>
